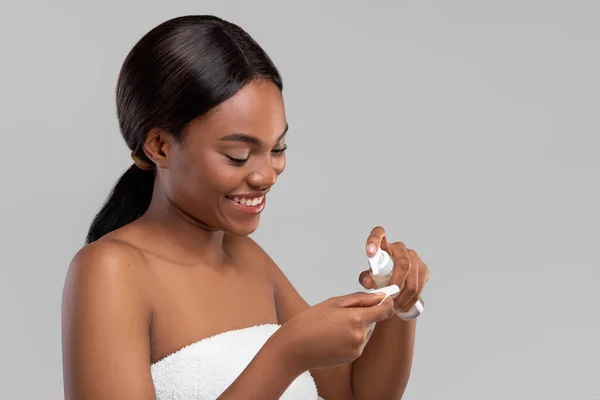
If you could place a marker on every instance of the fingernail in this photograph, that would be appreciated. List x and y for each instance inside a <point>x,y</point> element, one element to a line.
<point>372,248</point>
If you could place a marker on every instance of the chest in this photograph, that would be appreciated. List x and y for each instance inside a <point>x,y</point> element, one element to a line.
<point>191,304</point>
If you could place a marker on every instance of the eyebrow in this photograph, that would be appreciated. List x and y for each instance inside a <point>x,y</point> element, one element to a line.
<point>245,138</point>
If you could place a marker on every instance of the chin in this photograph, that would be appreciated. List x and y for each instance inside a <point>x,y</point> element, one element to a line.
<point>242,229</point>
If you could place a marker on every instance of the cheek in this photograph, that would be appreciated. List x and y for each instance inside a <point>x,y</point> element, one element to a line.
<point>194,177</point>
<point>219,177</point>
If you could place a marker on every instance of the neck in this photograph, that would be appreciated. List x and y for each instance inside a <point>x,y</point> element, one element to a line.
<point>180,235</point>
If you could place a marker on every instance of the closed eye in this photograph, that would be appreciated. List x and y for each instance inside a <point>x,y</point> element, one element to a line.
<point>237,161</point>
<point>242,161</point>
<point>279,151</point>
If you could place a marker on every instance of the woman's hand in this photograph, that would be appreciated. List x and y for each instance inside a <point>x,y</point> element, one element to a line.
<point>410,272</point>
<point>333,332</point>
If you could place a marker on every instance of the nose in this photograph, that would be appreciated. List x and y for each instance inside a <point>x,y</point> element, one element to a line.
<point>264,176</point>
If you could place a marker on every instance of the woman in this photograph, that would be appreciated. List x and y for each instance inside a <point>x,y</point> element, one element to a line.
<point>170,298</point>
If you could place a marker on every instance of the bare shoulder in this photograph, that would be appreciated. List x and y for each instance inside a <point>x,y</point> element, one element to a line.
<point>106,265</point>
<point>248,249</point>
<point>105,323</point>
<point>106,258</point>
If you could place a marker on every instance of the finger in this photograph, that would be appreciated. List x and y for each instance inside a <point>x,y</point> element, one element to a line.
<point>402,264</point>
<point>360,299</point>
<point>423,270</point>
<point>423,277</point>
<point>380,312</point>
<point>410,293</point>
<point>366,280</point>
<point>377,239</point>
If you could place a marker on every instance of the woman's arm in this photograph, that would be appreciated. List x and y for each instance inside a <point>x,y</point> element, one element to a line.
<point>333,383</point>
<point>383,369</point>
<point>266,377</point>
<point>105,326</point>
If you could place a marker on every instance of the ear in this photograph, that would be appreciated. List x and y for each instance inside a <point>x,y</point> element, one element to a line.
<point>158,146</point>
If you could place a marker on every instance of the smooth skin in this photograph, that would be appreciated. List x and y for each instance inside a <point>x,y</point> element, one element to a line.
<point>157,284</point>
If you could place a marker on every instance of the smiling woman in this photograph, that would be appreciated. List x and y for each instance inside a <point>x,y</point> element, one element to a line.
<point>187,88</point>
<point>144,312</point>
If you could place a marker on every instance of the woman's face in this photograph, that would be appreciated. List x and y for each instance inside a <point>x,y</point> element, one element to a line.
<point>228,160</point>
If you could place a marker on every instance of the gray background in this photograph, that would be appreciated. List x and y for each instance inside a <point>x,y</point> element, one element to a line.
<point>469,129</point>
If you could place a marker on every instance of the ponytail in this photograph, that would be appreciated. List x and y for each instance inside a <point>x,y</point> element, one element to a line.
<point>129,199</point>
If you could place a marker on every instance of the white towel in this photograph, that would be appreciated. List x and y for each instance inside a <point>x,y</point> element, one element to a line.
<point>203,370</point>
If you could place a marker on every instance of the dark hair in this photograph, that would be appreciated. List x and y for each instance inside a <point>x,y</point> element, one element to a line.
<point>175,73</point>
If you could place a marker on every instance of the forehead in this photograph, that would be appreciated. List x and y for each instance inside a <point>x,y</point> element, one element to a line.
<point>257,110</point>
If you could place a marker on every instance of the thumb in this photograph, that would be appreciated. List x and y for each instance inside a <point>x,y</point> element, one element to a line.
<point>361,299</point>
<point>366,280</point>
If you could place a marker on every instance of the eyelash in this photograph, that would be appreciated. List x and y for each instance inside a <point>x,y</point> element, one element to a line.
<point>242,161</point>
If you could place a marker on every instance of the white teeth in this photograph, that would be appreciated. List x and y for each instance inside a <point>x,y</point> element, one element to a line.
<point>249,202</point>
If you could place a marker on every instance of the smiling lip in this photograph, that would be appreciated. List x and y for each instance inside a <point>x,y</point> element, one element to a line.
<point>248,209</point>
<point>249,195</point>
